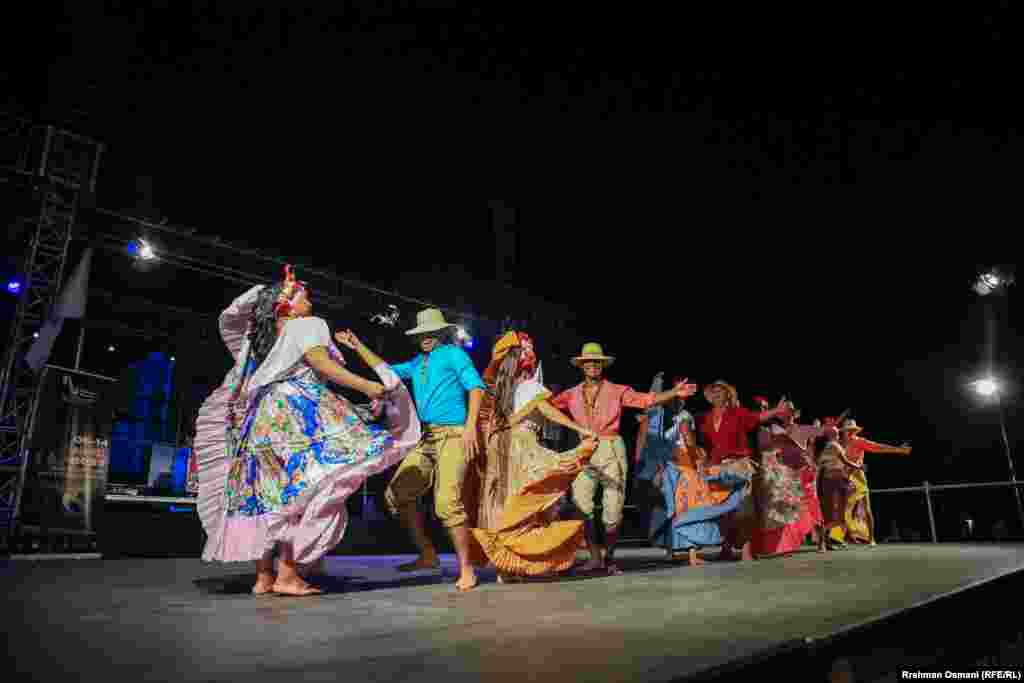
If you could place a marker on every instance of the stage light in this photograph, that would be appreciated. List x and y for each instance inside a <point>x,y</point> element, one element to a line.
<point>986,387</point>
<point>14,287</point>
<point>992,281</point>
<point>464,338</point>
<point>172,359</point>
<point>35,335</point>
<point>142,250</point>
<point>111,349</point>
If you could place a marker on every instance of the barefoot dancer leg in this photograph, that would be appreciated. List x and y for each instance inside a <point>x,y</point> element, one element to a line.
<point>288,580</point>
<point>265,576</point>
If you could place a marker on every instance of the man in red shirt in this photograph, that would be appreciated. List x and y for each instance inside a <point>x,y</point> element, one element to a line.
<point>597,405</point>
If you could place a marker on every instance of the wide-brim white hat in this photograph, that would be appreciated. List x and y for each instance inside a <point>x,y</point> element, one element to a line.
<point>430,320</point>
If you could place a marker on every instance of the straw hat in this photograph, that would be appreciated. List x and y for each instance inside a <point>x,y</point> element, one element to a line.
<point>850,426</point>
<point>430,320</point>
<point>592,351</point>
<point>729,389</point>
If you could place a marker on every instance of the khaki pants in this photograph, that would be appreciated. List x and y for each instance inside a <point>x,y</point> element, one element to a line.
<point>438,460</point>
<point>608,468</point>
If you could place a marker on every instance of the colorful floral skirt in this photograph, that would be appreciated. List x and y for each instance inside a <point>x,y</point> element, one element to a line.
<point>285,473</point>
<point>783,522</point>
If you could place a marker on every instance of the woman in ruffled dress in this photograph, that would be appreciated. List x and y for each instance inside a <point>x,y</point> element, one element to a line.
<point>695,494</point>
<point>788,497</point>
<point>859,523</point>
<point>523,482</point>
<point>278,451</point>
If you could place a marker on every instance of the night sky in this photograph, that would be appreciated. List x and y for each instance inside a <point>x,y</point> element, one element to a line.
<point>799,211</point>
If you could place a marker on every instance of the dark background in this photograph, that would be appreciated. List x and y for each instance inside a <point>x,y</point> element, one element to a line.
<point>796,203</point>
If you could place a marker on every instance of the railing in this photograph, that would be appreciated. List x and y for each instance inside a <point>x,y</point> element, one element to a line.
<point>927,488</point>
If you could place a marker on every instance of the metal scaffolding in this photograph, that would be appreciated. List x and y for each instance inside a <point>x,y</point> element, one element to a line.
<point>60,167</point>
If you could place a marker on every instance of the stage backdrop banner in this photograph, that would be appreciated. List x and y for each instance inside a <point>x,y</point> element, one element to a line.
<point>69,480</point>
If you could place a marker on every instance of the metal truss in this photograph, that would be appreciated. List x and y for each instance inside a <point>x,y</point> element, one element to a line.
<point>61,167</point>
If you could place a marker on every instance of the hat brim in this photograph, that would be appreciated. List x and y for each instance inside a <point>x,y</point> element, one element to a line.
<point>579,360</point>
<point>435,327</point>
<point>851,429</point>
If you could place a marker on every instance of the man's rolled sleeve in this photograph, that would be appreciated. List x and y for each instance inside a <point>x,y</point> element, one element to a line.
<point>403,370</point>
<point>469,378</point>
<point>635,399</point>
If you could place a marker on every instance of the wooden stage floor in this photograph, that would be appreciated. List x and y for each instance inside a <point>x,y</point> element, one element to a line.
<point>183,620</point>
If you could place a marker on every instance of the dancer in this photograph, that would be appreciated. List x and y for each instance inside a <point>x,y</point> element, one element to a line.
<point>834,483</point>
<point>646,496</point>
<point>448,392</point>
<point>597,404</point>
<point>688,518</point>
<point>859,524</point>
<point>790,508</point>
<point>724,429</point>
<point>524,481</point>
<point>278,451</point>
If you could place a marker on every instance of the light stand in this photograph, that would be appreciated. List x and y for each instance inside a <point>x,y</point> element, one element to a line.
<point>1009,461</point>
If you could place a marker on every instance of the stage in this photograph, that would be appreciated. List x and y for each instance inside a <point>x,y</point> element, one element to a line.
<point>182,620</point>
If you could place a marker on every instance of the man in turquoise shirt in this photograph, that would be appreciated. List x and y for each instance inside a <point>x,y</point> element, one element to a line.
<point>443,377</point>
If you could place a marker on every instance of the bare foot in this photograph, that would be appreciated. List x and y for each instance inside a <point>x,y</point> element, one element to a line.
<point>422,563</point>
<point>613,569</point>
<point>298,587</point>
<point>264,585</point>
<point>695,560</point>
<point>591,565</point>
<point>747,555</point>
<point>466,582</point>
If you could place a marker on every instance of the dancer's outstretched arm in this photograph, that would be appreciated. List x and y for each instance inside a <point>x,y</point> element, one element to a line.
<point>781,410</point>
<point>320,361</point>
<point>873,447</point>
<point>558,417</point>
<point>350,340</point>
<point>682,391</point>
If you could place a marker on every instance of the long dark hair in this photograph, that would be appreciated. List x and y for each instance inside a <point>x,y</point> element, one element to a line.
<point>504,384</point>
<point>263,323</point>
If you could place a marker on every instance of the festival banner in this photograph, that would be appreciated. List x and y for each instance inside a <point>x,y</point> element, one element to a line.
<point>68,480</point>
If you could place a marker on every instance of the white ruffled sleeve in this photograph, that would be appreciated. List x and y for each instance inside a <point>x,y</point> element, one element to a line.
<point>234,320</point>
<point>527,394</point>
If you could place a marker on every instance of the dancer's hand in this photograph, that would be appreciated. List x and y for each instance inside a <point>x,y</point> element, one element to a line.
<point>783,407</point>
<point>469,441</point>
<point>348,339</point>
<point>588,434</point>
<point>376,407</point>
<point>375,390</point>
<point>684,390</point>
